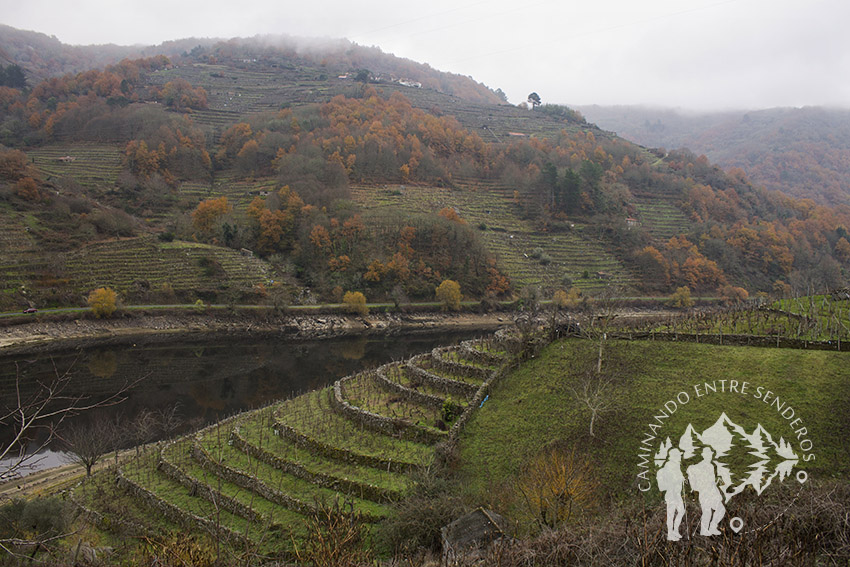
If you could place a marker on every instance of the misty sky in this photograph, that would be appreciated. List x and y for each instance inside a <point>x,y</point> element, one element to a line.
<point>686,53</point>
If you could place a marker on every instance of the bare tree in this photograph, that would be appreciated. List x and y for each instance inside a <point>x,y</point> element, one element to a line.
<point>144,428</point>
<point>607,307</point>
<point>594,391</point>
<point>39,413</point>
<point>87,443</point>
<point>169,419</point>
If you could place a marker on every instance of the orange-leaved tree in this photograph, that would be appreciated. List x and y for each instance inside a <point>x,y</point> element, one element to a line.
<point>207,213</point>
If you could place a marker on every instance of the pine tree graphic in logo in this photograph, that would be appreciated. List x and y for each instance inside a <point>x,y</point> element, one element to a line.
<point>726,460</point>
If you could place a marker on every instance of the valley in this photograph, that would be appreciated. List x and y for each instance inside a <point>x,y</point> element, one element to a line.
<point>296,245</point>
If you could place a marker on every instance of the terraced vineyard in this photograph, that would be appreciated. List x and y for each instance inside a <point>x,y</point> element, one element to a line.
<point>663,219</point>
<point>127,264</point>
<point>528,256</point>
<point>234,92</point>
<point>253,480</point>
<point>94,166</point>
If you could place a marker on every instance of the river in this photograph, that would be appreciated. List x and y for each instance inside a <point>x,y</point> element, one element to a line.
<point>195,383</point>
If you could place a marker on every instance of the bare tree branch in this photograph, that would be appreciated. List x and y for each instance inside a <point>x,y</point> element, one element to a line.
<point>41,413</point>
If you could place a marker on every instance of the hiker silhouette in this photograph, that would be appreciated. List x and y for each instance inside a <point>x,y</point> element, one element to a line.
<point>703,480</point>
<point>671,483</point>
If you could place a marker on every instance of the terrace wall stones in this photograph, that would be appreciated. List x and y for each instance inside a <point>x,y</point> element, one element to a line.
<point>406,393</point>
<point>739,340</point>
<point>379,423</point>
<point>245,481</point>
<point>346,486</point>
<point>204,491</point>
<point>114,525</point>
<point>480,356</point>
<point>453,387</point>
<point>344,455</point>
<point>175,513</point>
<point>441,362</point>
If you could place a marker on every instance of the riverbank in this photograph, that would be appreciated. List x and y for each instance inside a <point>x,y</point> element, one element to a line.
<point>41,336</point>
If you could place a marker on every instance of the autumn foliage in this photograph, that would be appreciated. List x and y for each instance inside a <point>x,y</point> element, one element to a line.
<point>554,485</point>
<point>207,213</point>
<point>730,233</point>
<point>355,302</point>
<point>103,302</point>
<point>449,296</point>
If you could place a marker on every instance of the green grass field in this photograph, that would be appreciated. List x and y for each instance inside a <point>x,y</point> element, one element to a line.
<point>537,405</point>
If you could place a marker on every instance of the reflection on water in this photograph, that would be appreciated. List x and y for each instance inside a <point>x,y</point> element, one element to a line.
<point>204,382</point>
<point>44,459</point>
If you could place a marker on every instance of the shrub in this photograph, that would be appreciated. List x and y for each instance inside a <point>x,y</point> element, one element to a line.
<point>449,296</point>
<point>355,302</point>
<point>449,410</point>
<point>574,297</point>
<point>732,295</point>
<point>553,485</point>
<point>560,298</point>
<point>530,297</point>
<point>336,536</point>
<point>421,514</point>
<point>681,298</point>
<point>103,302</point>
<point>34,520</point>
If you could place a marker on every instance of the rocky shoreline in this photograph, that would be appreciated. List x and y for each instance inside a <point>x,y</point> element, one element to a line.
<point>47,336</point>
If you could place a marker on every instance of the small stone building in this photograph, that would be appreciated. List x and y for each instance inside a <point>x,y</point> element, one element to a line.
<point>467,538</point>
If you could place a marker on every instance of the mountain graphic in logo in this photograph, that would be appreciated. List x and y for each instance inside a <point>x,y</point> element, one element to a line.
<point>741,459</point>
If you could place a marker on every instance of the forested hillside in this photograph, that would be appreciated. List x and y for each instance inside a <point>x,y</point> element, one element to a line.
<point>246,171</point>
<point>803,152</point>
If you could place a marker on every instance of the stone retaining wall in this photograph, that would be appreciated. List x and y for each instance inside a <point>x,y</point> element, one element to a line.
<point>249,483</point>
<point>409,394</point>
<point>453,387</point>
<point>379,423</point>
<point>205,491</point>
<point>114,525</point>
<point>177,514</point>
<point>480,356</point>
<point>331,452</point>
<point>346,486</point>
<point>737,340</point>
<point>441,362</point>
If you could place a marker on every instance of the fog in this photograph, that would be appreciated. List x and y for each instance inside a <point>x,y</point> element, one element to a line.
<point>692,55</point>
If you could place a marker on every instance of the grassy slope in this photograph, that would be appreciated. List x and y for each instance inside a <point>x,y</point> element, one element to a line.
<point>533,407</point>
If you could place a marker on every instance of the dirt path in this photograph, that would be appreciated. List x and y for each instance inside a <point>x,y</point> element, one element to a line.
<point>55,479</point>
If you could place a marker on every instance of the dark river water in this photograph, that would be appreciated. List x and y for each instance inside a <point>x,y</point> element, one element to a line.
<point>196,384</point>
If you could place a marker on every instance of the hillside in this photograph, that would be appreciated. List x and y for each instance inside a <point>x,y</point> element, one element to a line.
<point>254,170</point>
<point>802,152</point>
<point>43,56</point>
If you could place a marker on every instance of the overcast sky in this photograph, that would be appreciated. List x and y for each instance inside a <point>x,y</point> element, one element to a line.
<point>703,54</point>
